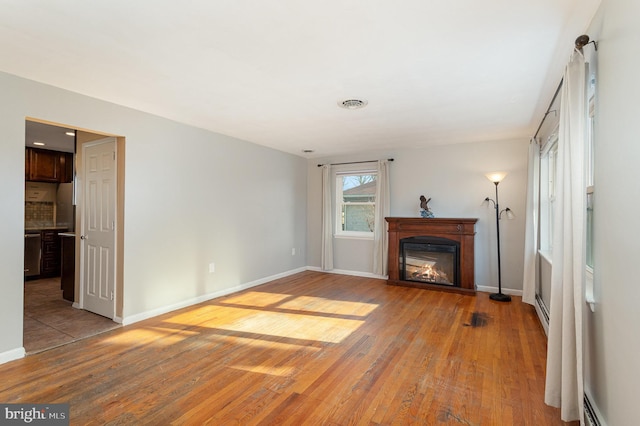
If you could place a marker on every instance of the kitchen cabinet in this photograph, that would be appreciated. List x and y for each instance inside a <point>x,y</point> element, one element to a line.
<point>66,167</point>
<point>43,165</point>
<point>50,262</point>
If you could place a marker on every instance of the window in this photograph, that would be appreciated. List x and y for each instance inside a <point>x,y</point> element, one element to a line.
<point>590,229</point>
<point>355,203</point>
<point>589,167</point>
<point>548,179</point>
<point>589,156</point>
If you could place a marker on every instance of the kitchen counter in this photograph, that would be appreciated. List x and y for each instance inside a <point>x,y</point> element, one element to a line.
<point>48,256</point>
<point>45,228</point>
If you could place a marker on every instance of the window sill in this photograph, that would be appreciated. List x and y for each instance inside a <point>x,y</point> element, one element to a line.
<point>353,237</point>
<point>589,297</point>
<point>546,255</point>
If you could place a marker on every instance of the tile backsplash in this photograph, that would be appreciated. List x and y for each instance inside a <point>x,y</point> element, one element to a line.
<point>38,214</point>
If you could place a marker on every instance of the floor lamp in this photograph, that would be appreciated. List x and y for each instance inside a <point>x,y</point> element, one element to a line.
<point>496,178</point>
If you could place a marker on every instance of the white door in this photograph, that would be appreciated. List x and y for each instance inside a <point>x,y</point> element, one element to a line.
<point>98,225</point>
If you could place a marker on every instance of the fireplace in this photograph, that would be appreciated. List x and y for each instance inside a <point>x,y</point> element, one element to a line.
<point>430,260</point>
<point>432,253</point>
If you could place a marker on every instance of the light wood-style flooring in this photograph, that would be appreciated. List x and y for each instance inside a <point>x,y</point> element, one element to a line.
<point>311,348</point>
<point>50,321</point>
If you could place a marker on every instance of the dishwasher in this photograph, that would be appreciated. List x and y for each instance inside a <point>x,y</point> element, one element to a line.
<point>32,254</point>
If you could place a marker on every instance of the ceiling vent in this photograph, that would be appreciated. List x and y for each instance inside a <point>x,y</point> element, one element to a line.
<point>352,104</point>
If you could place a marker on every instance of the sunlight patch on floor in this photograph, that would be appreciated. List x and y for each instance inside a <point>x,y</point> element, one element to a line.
<point>329,306</point>
<point>158,336</point>
<point>301,303</point>
<point>271,345</point>
<point>294,326</point>
<point>265,369</point>
<point>256,298</point>
<point>196,316</point>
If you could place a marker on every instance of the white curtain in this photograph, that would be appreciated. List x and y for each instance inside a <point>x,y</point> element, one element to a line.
<point>529,278</point>
<point>326,262</point>
<point>380,235</point>
<point>564,382</point>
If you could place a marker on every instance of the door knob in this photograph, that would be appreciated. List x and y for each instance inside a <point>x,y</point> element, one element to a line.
<point>83,237</point>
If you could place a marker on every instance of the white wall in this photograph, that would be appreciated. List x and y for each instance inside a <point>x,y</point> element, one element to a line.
<point>453,176</point>
<point>612,332</point>
<point>191,197</point>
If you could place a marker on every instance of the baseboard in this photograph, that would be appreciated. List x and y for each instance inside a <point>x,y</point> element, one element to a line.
<point>194,301</point>
<point>352,273</point>
<point>592,415</point>
<point>12,355</point>
<point>487,289</point>
<point>385,277</point>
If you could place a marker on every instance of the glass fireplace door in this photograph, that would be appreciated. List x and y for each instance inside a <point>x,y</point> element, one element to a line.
<point>429,263</point>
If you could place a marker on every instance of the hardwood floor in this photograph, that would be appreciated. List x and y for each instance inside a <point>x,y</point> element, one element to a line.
<point>51,321</point>
<point>312,348</point>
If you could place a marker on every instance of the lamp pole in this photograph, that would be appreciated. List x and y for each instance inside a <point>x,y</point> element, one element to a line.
<point>499,296</point>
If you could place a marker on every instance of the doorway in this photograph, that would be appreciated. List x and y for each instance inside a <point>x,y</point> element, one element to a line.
<point>49,319</point>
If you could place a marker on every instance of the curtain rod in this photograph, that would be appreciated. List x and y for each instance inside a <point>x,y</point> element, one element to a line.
<point>555,95</point>
<point>354,162</point>
<point>580,42</point>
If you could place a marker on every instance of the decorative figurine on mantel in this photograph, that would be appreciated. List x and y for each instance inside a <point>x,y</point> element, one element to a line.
<point>425,211</point>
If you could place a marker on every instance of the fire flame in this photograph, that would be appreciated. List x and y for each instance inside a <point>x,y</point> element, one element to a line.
<point>429,273</point>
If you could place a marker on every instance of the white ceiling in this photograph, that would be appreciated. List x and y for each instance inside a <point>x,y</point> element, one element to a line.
<point>272,72</point>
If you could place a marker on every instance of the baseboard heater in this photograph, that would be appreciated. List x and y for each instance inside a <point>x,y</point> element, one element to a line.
<point>590,413</point>
<point>543,313</point>
<point>543,308</point>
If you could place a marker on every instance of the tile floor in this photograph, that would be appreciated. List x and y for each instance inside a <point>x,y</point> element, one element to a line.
<point>50,321</point>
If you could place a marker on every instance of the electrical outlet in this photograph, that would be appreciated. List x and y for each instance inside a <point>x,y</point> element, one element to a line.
<point>293,251</point>
<point>212,267</point>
